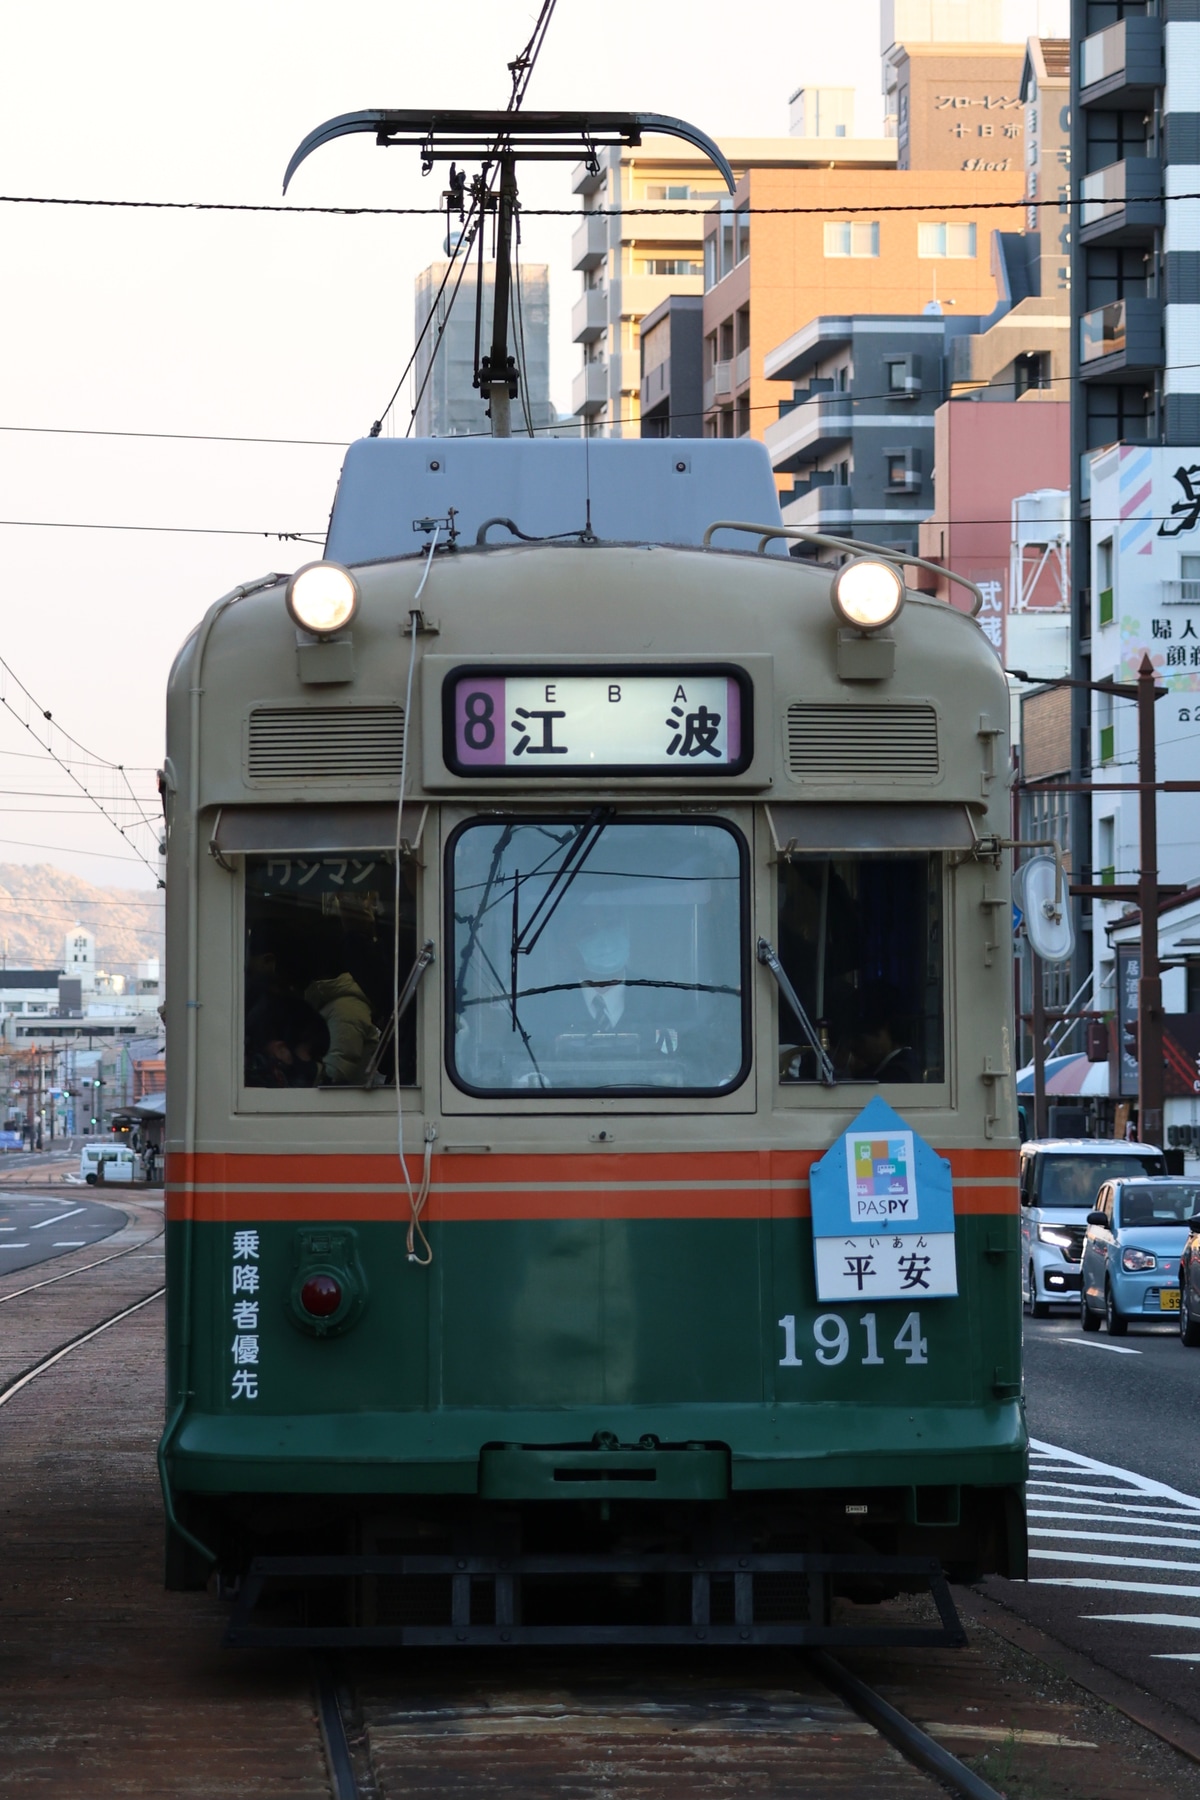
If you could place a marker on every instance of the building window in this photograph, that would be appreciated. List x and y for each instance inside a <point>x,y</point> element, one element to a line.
<point>1189,577</point>
<point>669,265</point>
<point>946,240</point>
<point>741,234</point>
<point>852,238</point>
<point>1104,582</point>
<point>903,376</point>
<point>901,469</point>
<point>673,190</point>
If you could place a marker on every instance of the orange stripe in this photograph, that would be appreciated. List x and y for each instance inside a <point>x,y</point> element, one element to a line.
<point>555,1203</point>
<point>227,1168</point>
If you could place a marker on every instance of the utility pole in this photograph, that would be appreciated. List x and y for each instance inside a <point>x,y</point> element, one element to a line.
<point>1150,1004</point>
<point>1041,1123</point>
<point>499,373</point>
<point>1144,692</point>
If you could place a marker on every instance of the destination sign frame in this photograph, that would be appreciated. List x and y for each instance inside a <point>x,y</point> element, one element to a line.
<point>696,719</point>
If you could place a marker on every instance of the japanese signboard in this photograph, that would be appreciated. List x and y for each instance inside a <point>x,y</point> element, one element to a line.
<point>598,721</point>
<point>883,1214</point>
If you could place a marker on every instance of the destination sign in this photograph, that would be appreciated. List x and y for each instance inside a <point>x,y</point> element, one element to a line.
<point>684,721</point>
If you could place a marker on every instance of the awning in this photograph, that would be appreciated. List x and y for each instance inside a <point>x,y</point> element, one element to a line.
<point>831,826</point>
<point>1073,1075</point>
<point>297,830</point>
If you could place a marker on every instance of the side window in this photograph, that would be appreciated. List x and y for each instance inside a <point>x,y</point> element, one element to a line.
<point>321,938</point>
<point>861,940</point>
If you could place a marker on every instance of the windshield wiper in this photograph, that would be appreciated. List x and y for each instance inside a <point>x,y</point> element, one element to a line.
<point>578,850</point>
<point>404,1000</point>
<point>766,954</point>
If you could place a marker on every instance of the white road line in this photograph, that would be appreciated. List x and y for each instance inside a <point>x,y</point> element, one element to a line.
<point>1078,1487</point>
<point>1183,1621</point>
<point>68,1244</point>
<point>1175,1656</point>
<point>57,1219</point>
<point>1114,1537</point>
<point>14,1246</point>
<point>1118,1587</point>
<point>1093,1343</point>
<point>1144,1484</point>
<point>1115,1562</point>
<point>1124,1500</point>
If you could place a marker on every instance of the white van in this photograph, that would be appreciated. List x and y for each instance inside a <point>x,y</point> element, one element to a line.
<point>118,1162</point>
<point>1060,1178</point>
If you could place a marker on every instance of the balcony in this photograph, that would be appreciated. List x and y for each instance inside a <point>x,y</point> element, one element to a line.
<point>589,316</point>
<point>741,368</point>
<point>825,507</point>
<point>1123,338</point>
<point>1123,64</point>
<point>589,244</point>
<point>1123,203</point>
<point>1181,592</point>
<point>718,385</point>
<point>814,428</point>
<point>589,389</point>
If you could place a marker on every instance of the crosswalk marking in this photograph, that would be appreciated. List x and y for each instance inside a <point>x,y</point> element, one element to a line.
<point>1073,1499</point>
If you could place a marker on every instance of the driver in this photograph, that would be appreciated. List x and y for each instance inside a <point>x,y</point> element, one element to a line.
<point>604,1005</point>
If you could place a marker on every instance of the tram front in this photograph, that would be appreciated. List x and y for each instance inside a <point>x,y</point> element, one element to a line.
<point>611,939</point>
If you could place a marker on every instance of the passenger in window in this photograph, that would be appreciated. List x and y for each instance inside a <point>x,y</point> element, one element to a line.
<point>353,1034</point>
<point>879,1051</point>
<point>286,1040</point>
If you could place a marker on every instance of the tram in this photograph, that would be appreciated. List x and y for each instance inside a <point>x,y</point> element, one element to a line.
<point>590,1131</point>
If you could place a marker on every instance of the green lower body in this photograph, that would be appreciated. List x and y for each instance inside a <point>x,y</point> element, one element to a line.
<point>554,1365</point>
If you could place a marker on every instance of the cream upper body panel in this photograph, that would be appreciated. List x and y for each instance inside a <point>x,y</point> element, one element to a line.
<point>277,729</point>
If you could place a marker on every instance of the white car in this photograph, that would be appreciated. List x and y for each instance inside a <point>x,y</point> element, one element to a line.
<point>1060,1178</point>
<point>119,1163</point>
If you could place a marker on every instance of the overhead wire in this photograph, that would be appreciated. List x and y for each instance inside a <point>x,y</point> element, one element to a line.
<point>675,211</point>
<point>47,744</point>
<point>521,70</point>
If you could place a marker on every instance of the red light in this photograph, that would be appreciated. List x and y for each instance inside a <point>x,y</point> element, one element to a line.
<point>321,1296</point>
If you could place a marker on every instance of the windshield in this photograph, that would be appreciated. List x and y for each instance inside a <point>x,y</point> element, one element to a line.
<point>320,938</point>
<point>1168,1203</point>
<point>860,938</point>
<point>1076,1180</point>
<point>592,956</point>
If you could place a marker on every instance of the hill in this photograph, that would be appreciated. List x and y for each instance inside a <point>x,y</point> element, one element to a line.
<point>39,904</point>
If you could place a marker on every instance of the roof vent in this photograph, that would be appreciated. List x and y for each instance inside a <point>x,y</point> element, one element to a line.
<point>843,744</point>
<point>298,744</point>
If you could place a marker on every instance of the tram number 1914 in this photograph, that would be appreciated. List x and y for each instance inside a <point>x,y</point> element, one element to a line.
<point>831,1335</point>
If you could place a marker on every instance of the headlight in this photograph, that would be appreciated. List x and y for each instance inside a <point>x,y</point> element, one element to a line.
<point>322,597</point>
<point>1050,1234</point>
<point>867,594</point>
<point>1134,1260</point>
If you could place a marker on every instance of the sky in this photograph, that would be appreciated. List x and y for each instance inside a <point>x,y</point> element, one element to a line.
<point>254,326</point>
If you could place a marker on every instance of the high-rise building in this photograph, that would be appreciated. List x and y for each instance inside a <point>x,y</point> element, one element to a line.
<point>446,403</point>
<point>821,112</point>
<point>1135,110</point>
<point>951,78</point>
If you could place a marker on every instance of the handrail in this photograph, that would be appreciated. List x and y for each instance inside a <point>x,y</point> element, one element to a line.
<point>856,547</point>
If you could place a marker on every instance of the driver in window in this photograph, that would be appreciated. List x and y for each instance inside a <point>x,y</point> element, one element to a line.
<point>604,1007</point>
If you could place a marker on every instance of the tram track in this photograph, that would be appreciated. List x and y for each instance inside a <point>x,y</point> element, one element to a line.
<point>353,1775</point>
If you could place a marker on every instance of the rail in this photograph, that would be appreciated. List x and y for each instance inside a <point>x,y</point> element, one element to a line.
<point>854,546</point>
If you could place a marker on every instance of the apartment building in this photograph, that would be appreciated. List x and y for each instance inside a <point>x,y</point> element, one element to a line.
<point>1135,424</point>
<point>641,239</point>
<point>843,243</point>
